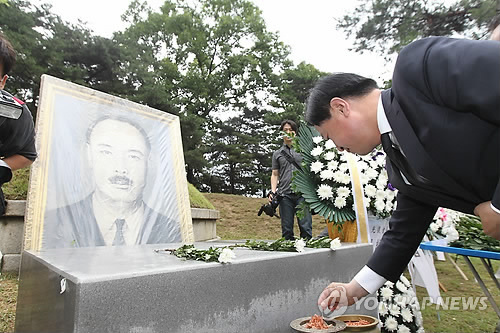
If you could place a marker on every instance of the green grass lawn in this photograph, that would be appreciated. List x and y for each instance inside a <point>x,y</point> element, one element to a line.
<point>239,220</point>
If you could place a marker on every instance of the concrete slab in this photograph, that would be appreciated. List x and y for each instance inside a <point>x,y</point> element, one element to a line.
<point>134,289</point>
<point>10,263</point>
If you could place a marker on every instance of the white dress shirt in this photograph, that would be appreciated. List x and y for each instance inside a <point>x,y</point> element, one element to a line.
<point>106,218</point>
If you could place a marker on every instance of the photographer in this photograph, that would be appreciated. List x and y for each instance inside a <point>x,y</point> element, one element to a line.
<point>17,134</point>
<point>284,163</point>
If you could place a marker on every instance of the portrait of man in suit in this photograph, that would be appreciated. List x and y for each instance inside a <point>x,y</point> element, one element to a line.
<point>117,150</point>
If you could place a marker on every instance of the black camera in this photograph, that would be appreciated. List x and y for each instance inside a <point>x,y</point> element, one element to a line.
<point>9,107</point>
<point>270,207</point>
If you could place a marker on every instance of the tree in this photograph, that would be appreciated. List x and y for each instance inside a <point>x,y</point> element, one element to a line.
<point>387,26</point>
<point>200,59</point>
<point>45,44</point>
<point>292,92</point>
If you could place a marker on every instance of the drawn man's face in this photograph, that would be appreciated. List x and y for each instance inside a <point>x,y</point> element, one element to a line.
<point>118,156</point>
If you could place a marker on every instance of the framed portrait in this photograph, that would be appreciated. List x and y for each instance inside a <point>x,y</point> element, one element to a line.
<point>109,172</point>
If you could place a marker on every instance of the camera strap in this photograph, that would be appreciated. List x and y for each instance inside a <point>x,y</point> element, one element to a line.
<point>290,159</point>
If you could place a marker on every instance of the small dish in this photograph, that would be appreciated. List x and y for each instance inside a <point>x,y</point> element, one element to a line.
<point>356,317</point>
<point>297,325</point>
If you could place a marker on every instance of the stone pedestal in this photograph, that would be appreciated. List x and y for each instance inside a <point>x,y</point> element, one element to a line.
<point>134,289</point>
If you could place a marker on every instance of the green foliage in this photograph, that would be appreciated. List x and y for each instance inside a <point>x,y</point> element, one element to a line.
<point>293,89</point>
<point>197,199</point>
<point>212,254</point>
<point>472,235</point>
<point>387,26</point>
<point>212,58</point>
<point>45,44</point>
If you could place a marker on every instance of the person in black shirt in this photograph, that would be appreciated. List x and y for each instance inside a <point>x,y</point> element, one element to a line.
<point>281,178</point>
<point>17,133</point>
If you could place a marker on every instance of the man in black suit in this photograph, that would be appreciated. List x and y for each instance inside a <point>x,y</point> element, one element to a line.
<point>115,213</point>
<point>440,127</point>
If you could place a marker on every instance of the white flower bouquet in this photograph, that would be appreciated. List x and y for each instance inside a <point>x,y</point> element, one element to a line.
<point>399,310</point>
<point>380,196</point>
<point>324,181</point>
<point>443,225</point>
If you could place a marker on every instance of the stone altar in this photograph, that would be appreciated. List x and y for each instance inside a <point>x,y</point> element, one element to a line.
<point>134,289</point>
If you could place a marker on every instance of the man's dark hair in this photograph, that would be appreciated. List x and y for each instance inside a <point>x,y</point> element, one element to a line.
<point>342,85</point>
<point>289,122</point>
<point>123,120</point>
<point>7,55</point>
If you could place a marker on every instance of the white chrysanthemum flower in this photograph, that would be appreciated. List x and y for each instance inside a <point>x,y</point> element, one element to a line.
<point>403,329</point>
<point>330,156</point>
<point>335,244</point>
<point>362,165</point>
<point>207,256</point>
<point>337,176</point>
<point>364,179</point>
<point>394,310</point>
<point>405,280</point>
<point>388,206</point>
<point>366,201</point>
<point>326,174</point>
<point>434,227</point>
<point>317,151</point>
<point>317,139</point>
<point>340,202</point>
<point>401,287</point>
<point>300,245</point>
<point>381,185</point>
<point>332,165</point>
<point>370,190</point>
<point>389,284</point>
<point>407,315</point>
<point>371,173</point>
<point>343,156</point>
<point>386,293</point>
<point>329,144</point>
<point>227,255</point>
<point>316,166</point>
<point>382,309</point>
<point>391,324</point>
<point>343,167</point>
<point>343,191</point>
<point>379,205</point>
<point>345,178</point>
<point>439,223</point>
<point>324,192</point>
<point>380,195</point>
<point>390,194</point>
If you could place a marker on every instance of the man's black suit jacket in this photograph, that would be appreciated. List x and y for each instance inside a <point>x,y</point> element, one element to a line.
<point>75,225</point>
<point>444,110</point>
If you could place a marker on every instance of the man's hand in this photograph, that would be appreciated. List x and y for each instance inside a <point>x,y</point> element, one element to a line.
<point>16,162</point>
<point>489,218</point>
<point>338,295</point>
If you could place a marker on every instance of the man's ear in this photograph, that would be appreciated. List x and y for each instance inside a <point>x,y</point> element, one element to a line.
<point>3,80</point>
<point>339,105</point>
